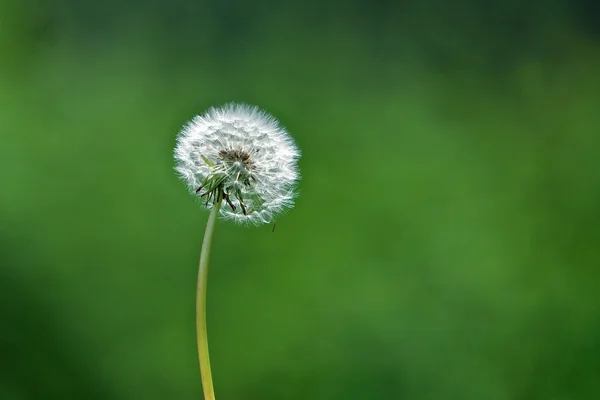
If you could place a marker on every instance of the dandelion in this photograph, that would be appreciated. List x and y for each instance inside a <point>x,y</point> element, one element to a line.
<point>243,165</point>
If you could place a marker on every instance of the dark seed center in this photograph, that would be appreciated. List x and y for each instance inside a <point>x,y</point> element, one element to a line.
<point>232,156</point>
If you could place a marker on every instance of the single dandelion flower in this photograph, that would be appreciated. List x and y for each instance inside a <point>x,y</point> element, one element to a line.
<point>243,165</point>
<point>242,155</point>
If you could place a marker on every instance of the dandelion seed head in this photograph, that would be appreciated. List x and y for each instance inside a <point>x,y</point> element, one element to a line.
<point>243,156</point>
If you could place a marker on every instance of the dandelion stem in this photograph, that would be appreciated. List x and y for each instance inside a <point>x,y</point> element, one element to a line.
<point>203,358</point>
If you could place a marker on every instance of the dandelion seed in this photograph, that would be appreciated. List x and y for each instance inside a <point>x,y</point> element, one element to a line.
<point>242,155</point>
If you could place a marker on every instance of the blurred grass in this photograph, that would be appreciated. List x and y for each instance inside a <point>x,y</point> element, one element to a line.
<point>444,244</point>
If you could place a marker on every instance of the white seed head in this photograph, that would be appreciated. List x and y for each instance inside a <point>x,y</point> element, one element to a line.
<point>242,156</point>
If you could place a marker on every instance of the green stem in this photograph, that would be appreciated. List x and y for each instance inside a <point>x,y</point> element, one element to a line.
<point>203,358</point>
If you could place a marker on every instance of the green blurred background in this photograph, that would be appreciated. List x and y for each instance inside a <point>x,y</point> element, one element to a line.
<point>445,245</point>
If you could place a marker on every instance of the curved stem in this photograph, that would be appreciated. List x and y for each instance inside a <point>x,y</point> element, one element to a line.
<point>203,358</point>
